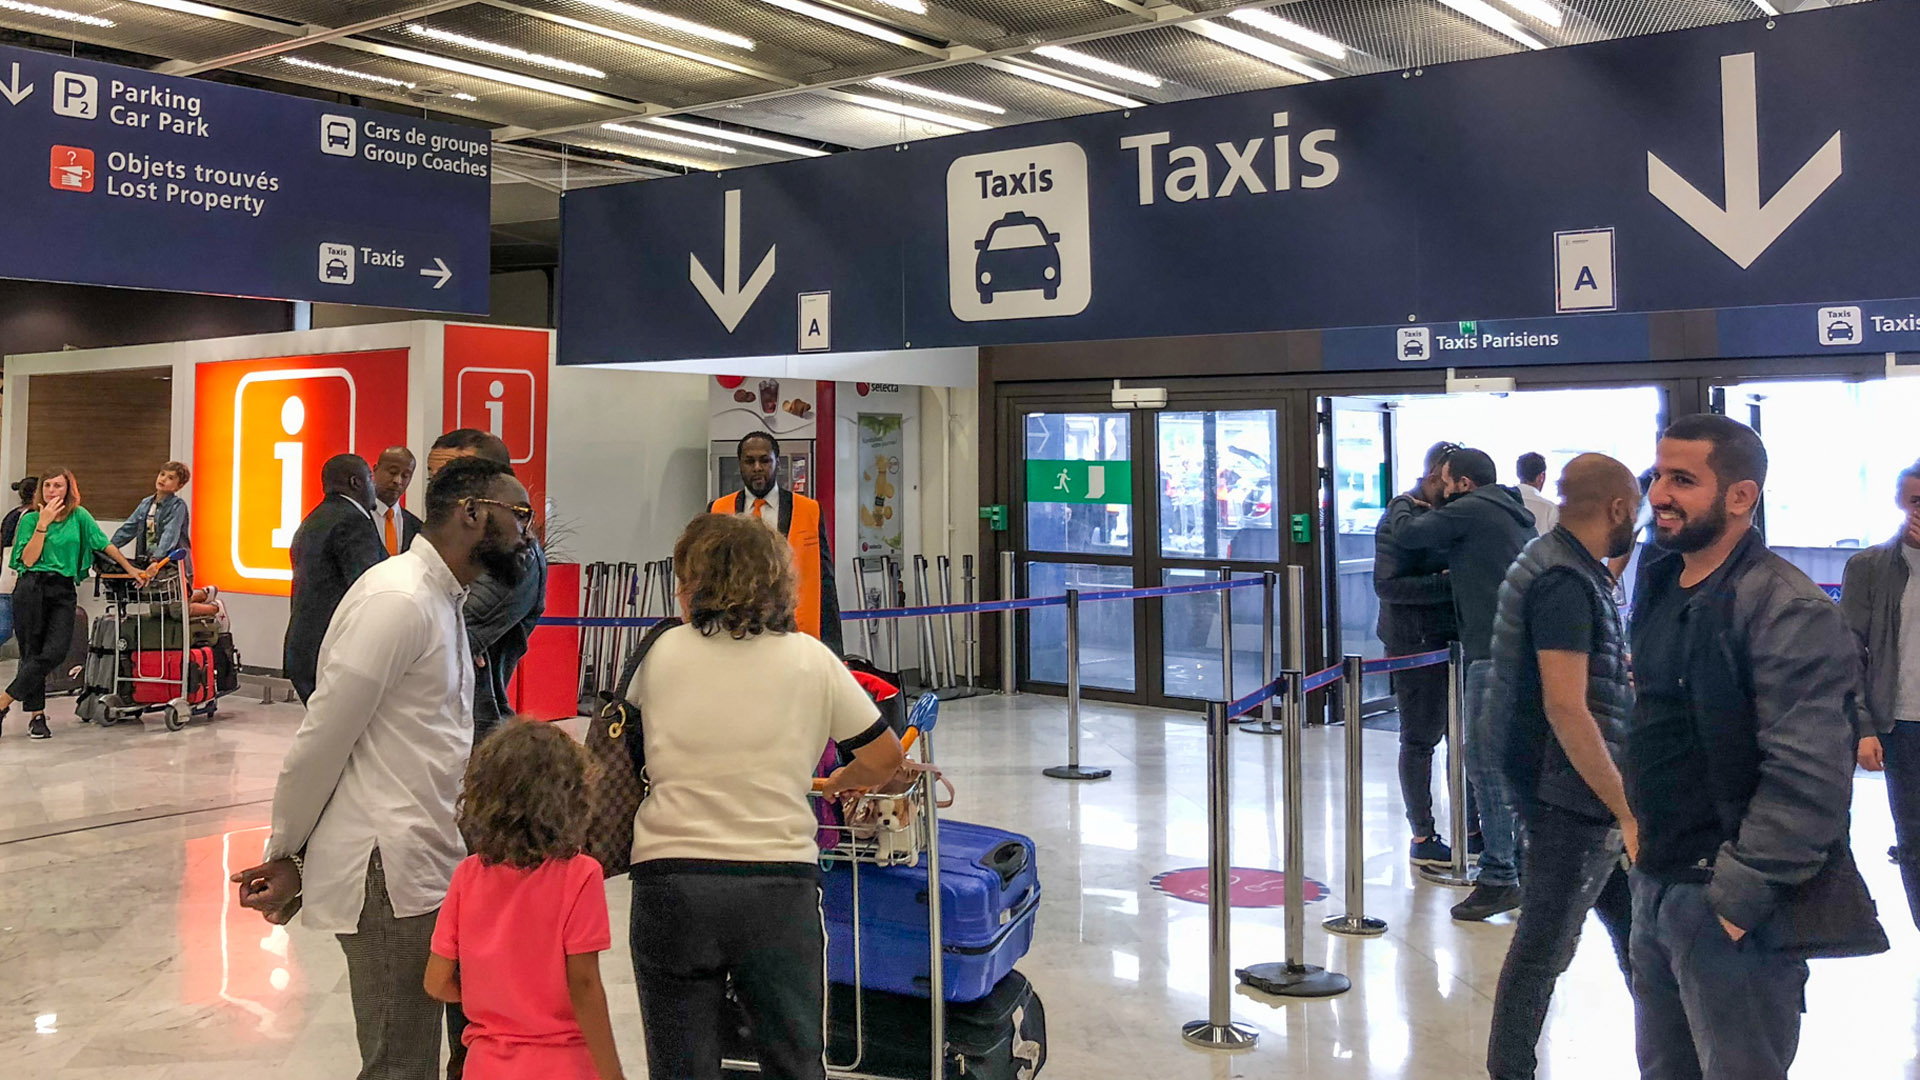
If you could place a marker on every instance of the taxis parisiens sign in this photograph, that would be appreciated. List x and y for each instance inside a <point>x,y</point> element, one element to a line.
<point>114,176</point>
<point>1758,163</point>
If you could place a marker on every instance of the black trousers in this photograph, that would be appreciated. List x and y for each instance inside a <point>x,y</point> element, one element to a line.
<point>43,606</point>
<point>694,930</point>
<point>1570,861</point>
<point>1422,693</point>
<point>1902,747</point>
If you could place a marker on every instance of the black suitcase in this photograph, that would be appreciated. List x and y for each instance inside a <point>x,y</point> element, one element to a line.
<point>226,665</point>
<point>1003,1036</point>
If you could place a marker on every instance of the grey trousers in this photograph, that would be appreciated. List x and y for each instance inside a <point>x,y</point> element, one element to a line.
<point>397,1024</point>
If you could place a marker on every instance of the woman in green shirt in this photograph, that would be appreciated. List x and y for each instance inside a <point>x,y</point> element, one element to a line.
<point>52,551</point>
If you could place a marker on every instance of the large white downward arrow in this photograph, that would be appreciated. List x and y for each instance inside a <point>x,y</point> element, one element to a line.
<point>13,91</point>
<point>1745,228</point>
<point>732,303</point>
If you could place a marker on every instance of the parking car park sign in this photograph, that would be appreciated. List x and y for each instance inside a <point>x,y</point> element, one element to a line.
<point>157,182</point>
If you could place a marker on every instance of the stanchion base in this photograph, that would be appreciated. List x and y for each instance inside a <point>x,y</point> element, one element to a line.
<point>1290,980</point>
<point>1446,876</point>
<point>1076,772</point>
<point>1263,728</point>
<point>1210,1036</point>
<point>1349,926</point>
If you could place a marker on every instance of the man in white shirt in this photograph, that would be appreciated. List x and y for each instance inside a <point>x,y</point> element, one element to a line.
<point>1532,468</point>
<point>364,836</point>
<point>397,525</point>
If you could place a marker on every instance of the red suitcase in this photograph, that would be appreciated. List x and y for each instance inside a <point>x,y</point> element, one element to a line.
<point>165,664</point>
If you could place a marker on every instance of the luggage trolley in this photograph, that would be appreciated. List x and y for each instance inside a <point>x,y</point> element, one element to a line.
<point>881,838</point>
<point>155,666</point>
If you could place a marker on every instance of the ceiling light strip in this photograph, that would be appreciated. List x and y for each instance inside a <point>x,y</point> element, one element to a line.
<point>671,22</point>
<point>490,74</point>
<point>941,96</point>
<point>346,73</point>
<point>1268,22</point>
<point>901,108</point>
<point>844,21</point>
<point>188,7</point>
<point>741,137</point>
<point>644,133</point>
<point>912,7</point>
<point>1540,11</point>
<point>1488,16</point>
<point>611,34</point>
<point>511,52</point>
<point>1089,62</point>
<point>56,13</point>
<point>641,153</point>
<point>1257,48</point>
<point>1071,86</point>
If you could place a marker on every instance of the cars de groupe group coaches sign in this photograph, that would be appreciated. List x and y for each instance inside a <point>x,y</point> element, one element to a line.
<point>115,176</point>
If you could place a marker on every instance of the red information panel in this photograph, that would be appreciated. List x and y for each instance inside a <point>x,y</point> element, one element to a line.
<point>262,431</point>
<point>496,380</point>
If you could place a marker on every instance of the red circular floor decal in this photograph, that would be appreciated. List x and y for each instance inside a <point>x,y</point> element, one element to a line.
<point>1249,888</point>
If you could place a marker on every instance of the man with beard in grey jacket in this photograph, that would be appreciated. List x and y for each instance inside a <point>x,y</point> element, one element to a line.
<point>1480,527</point>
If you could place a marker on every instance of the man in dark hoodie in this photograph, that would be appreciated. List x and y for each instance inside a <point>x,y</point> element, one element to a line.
<point>1416,616</point>
<point>1480,528</point>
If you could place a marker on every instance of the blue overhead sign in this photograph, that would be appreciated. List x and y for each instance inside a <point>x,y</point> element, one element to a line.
<point>1724,167</point>
<point>115,176</point>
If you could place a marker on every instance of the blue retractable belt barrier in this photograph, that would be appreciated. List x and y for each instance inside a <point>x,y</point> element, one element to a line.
<point>1405,663</point>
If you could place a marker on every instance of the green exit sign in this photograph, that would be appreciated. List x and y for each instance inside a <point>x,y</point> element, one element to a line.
<point>1469,329</point>
<point>1080,481</point>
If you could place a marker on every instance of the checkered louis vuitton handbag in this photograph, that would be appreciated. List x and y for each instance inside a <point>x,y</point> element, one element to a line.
<point>619,782</point>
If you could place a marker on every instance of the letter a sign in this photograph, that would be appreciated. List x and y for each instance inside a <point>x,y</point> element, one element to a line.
<point>816,328</point>
<point>1583,271</point>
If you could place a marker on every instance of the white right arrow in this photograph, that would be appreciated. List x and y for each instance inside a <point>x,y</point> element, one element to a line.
<point>438,271</point>
<point>732,302</point>
<point>13,91</point>
<point>1745,228</point>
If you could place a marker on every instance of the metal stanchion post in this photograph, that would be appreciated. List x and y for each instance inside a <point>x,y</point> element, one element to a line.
<point>944,566</point>
<point>1294,977</point>
<point>1269,589</point>
<point>1218,1031</point>
<point>1455,875</point>
<point>867,626</point>
<point>968,625</point>
<point>1009,654</point>
<point>1355,922</point>
<point>1072,770</point>
<point>890,569</point>
<point>1226,636</point>
<point>929,655</point>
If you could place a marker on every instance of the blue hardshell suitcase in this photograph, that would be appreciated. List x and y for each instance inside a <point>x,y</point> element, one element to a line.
<point>990,891</point>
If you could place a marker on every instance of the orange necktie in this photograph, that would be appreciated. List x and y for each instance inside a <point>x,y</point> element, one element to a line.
<point>758,505</point>
<point>393,538</point>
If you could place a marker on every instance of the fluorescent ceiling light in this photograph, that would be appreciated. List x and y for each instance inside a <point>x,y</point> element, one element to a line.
<point>1257,48</point>
<point>1092,63</point>
<point>1486,15</point>
<point>912,6</point>
<point>481,71</point>
<point>508,51</point>
<point>56,13</point>
<point>1538,10</point>
<point>188,7</point>
<point>643,133</point>
<point>640,153</point>
<point>346,73</point>
<point>460,95</point>
<point>741,137</point>
<point>899,108</point>
<point>937,95</point>
<point>645,43</point>
<point>671,22</point>
<point>1273,24</point>
<point>1071,86</point>
<point>845,21</point>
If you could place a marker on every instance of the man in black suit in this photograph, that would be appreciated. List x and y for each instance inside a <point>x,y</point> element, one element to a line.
<point>392,472</point>
<point>334,545</point>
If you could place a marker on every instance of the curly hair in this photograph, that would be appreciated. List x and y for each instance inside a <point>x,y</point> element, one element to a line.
<point>737,575</point>
<point>525,796</point>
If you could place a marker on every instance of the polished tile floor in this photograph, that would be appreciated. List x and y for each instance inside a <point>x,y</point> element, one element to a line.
<point>122,956</point>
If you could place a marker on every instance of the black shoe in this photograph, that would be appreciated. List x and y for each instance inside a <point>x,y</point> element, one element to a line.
<point>8,709</point>
<point>1486,901</point>
<point>1432,851</point>
<point>37,728</point>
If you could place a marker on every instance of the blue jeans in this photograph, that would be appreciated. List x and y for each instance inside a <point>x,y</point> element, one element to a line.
<point>1705,1006</point>
<point>1499,821</point>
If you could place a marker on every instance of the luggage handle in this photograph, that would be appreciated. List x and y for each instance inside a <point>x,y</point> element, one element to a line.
<point>1009,860</point>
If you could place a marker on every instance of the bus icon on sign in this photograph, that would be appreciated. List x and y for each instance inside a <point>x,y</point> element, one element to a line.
<point>338,136</point>
<point>500,401</point>
<point>286,424</point>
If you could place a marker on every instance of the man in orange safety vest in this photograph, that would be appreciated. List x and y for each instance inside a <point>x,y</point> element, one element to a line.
<point>797,518</point>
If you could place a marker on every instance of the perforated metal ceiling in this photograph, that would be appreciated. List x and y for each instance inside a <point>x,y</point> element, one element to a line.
<point>790,69</point>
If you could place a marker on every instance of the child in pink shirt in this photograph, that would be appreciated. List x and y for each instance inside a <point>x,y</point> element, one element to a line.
<point>519,937</point>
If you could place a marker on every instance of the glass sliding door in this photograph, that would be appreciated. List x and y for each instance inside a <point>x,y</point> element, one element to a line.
<point>1078,523</point>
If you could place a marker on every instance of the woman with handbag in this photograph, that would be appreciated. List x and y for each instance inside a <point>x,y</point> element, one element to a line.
<point>53,550</point>
<point>726,880</point>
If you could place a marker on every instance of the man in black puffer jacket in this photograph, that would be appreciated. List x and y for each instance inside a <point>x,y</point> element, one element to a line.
<point>1561,698</point>
<point>1480,529</point>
